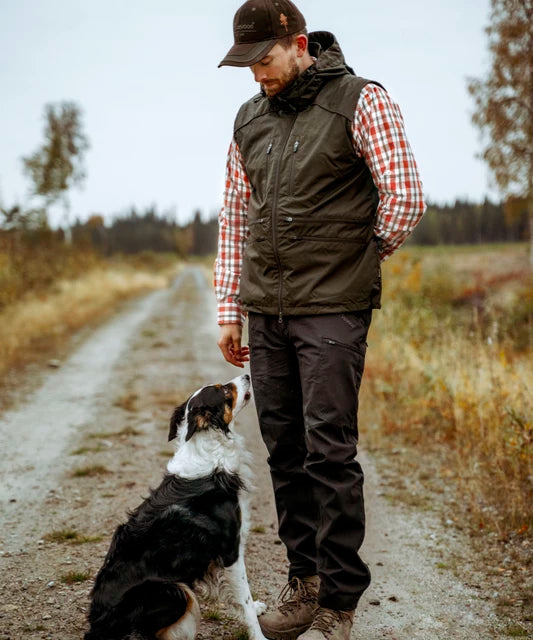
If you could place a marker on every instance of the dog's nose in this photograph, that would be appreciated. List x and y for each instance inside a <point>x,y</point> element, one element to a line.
<point>246,377</point>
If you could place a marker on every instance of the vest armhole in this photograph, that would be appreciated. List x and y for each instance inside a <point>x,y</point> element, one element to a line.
<point>343,100</point>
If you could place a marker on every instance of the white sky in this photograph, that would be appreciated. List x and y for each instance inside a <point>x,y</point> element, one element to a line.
<point>159,113</point>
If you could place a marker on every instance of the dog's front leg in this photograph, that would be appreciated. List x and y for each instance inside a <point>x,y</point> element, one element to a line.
<point>238,581</point>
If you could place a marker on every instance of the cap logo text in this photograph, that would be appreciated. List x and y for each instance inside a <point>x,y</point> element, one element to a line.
<point>250,26</point>
<point>283,21</point>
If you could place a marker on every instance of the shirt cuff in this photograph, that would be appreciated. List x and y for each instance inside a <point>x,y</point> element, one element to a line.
<point>230,313</point>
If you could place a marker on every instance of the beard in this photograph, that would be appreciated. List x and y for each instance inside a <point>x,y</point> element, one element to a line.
<point>277,85</point>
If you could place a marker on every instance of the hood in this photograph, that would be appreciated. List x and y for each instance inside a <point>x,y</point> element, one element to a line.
<point>329,64</point>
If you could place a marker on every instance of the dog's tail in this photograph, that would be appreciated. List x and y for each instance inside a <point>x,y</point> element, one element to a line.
<point>154,609</point>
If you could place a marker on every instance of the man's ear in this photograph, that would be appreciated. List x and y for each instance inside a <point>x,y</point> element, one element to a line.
<point>175,421</point>
<point>301,44</point>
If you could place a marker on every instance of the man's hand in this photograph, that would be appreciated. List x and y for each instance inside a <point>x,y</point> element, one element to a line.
<point>229,343</point>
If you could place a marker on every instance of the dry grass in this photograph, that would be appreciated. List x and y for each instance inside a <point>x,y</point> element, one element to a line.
<point>449,372</point>
<point>55,313</point>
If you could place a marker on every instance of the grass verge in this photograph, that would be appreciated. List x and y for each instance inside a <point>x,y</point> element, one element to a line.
<point>44,318</point>
<point>449,374</point>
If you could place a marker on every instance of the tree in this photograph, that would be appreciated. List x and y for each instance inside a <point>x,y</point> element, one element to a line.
<point>58,164</point>
<point>16,218</point>
<point>504,102</point>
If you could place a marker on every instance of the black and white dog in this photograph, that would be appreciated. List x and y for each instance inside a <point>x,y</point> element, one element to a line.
<point>194,524</point>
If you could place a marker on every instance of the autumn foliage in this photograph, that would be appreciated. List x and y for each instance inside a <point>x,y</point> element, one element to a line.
<point>449,374</point>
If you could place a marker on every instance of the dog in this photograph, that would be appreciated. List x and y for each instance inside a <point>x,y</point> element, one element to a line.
<point>189,529</point>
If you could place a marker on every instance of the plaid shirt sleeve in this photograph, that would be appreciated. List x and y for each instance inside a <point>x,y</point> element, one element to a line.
<point>233,231</point>
<point>380,139</point>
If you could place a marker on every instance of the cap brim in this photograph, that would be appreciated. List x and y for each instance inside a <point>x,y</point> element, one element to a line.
<point>247,54</point>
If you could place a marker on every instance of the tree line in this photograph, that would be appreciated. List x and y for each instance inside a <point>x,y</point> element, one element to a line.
<point>466,222</point>
<point>138,231</point>
<point>462,222</point>
<point>135,231</point>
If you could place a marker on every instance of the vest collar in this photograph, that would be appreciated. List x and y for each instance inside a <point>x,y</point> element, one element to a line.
<point>329,64</point>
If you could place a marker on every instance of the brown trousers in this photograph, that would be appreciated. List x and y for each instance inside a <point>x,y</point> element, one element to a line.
<point>306,372</point>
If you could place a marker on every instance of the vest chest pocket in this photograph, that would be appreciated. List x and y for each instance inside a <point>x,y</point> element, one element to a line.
<point>292,165</point>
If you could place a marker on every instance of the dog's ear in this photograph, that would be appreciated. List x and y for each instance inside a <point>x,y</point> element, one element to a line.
<point>175,420</point>
<point>198,420</point>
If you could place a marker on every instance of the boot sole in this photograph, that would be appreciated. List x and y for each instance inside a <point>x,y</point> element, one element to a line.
<point>288,634</point>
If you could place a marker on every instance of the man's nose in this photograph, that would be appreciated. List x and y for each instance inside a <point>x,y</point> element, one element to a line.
<point>259,74</point>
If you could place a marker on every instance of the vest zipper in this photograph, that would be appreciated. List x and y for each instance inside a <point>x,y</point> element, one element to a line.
<point>275,220</point>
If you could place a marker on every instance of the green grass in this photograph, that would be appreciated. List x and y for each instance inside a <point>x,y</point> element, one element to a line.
<point>213,615</point>
<point>75,577</point>
<point>516,631</point>
<point>63,535</point>
<point>83,450</point>
<point>90,471</point>
<point>105,435</point>
<point>70,536</point>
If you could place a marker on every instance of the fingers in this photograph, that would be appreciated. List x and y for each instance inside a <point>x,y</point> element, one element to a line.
<point>229,343</point>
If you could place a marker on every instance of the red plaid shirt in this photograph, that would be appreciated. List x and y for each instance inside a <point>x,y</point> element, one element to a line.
<point>379,137</point>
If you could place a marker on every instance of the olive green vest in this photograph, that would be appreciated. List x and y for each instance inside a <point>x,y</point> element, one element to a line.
<point>311,213</point>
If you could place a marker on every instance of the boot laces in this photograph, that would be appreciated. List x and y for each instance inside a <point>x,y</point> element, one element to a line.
<point>326,619</point>
<point>294,593</point>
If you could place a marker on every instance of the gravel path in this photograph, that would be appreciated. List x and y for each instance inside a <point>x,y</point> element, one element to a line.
<point>83,448</point>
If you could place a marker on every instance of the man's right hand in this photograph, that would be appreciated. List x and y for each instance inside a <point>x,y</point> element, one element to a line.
<point>229,343</point>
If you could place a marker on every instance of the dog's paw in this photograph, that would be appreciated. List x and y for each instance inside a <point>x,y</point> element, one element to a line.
<point>260,607</point>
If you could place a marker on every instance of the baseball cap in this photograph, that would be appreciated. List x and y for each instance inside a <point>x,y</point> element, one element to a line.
<point>256,27</point>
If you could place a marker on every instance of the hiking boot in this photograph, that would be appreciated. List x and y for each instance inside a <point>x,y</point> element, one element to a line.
<point>298,602</point>
<point>329,625</point>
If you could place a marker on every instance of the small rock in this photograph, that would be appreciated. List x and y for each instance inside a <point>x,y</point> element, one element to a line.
<point>46,616</point>
<point>54,364</point>
<point>375,603</point>
<point>51,584</point>
<point>393,598</point>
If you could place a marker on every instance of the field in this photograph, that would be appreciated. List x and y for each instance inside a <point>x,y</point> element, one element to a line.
<point>448,383</point>
<point>49,290</point>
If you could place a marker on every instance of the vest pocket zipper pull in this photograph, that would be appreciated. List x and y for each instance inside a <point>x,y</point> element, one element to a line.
<point>295,147</point>
<point>269,149</point>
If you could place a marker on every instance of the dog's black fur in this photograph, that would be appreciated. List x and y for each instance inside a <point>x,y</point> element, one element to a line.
<point>183,529</point>
<point>173,536</point>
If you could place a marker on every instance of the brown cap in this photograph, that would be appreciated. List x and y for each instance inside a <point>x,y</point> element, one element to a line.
<point>256,27</point>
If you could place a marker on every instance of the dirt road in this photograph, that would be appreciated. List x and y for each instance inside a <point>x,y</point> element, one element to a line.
<point>83,447</point>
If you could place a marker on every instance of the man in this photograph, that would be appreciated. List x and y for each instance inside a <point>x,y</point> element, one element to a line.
<point>321,186</point>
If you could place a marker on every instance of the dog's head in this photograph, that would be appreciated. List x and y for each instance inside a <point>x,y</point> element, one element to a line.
<point>211,407</point>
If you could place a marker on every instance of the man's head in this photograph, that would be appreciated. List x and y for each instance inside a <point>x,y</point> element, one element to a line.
<point>270,38</point>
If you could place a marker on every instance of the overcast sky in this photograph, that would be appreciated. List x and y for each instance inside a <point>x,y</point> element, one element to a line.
<point>159,113</point>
